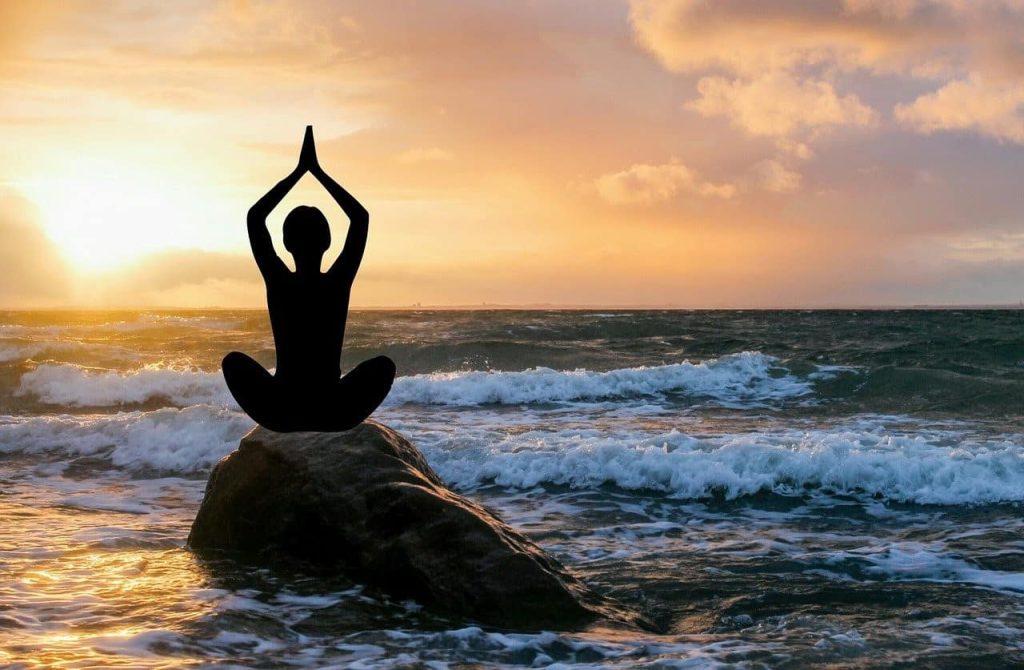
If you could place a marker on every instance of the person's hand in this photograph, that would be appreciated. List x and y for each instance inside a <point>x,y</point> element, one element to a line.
<point>307,157</point>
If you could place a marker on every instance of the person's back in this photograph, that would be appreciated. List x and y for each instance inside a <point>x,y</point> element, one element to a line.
<point>308,310</point>
<point>307,315</point>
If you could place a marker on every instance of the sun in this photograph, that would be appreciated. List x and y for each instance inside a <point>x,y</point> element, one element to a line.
<point>104,213</point>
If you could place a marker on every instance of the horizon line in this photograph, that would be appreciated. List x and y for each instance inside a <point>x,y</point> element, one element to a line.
<point>541,306</point>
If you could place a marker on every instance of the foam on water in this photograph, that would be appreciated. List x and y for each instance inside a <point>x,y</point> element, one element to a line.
<point>740,379</point>
<point>142,322</point>
<point>201,322</point>
<point>77,386</point>
<point>932,562</point>
<point>940,468</point>
<point>745,377</point>
<point>17,351</point>
<point>618,473</point>
<point>179,440</point>
<point>862,457</point>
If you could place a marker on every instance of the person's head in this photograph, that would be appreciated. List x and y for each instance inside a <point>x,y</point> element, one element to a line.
<point>306,233</point>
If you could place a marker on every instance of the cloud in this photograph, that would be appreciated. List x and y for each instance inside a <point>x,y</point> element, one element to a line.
<point>645,184</point>
<point>424,155</point>
<point>788,62</point>
<point>984,248</point>
<point>34,274</point>
<point>168,269</point>
<point>183,277</point>
<point>751,37</point>
<point>222,293</point>
<point>775,177</point>
<point>527,97</point>
<point>777,104</point>
<point>996,110</point>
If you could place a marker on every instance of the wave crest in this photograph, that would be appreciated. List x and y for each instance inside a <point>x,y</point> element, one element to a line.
<point>870,461</point>
<point>71,385</point>
<point>736,378</point>
<point>179,440</point>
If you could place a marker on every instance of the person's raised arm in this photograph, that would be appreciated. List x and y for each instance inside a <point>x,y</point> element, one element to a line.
<point>259,237</point>
<point>347,263</point>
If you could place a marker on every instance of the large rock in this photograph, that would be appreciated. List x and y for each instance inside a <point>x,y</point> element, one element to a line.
<point>366,503</point>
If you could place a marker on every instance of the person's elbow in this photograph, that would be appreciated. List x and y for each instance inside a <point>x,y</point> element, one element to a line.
<point>255,216</point>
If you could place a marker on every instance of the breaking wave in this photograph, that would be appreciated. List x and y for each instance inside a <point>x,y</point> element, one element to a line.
<point>940,467</point>
<point>180,440</point>
<point>927,466</point>
<point>737,379</point>
<point>71,385</point>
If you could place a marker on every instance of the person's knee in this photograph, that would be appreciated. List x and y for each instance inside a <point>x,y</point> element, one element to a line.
<point>233,360</point>
<point>377,371</point>
<point>383,366</point>
<point>238,367</point>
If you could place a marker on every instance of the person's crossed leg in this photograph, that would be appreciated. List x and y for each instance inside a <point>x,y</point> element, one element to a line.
<point>337,406</point>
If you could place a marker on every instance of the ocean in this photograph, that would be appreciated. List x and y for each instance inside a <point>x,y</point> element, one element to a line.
<point>776,489</point>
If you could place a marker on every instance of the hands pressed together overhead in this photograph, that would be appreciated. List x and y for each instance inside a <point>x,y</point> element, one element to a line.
<point>307,157</point>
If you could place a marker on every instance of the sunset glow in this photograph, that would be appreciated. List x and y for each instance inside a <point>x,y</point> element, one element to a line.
<point>105,212</point>
<point>680,153</point>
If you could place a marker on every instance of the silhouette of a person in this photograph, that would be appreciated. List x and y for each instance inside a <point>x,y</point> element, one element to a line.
<point>307,315</point>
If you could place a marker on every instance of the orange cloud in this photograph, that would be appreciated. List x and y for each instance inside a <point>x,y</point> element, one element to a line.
<point>786,58</point>
<point>34,274</point>
<point>775,177</point>
<point>749,37</point>
<point>801,129</point>
<point>649,184</point>
<point>778,104</point>
<point>994,109</point>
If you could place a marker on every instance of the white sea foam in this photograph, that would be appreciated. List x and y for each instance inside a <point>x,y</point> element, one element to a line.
<point>201,322</point>
<point>855,460</point>
<point>12,351</point>
<point>932,562</point>
<point>143,322</point>
<point>179,440</point>
<point>21,350</point>
<point>542,649</point>
<point>859,457</point>
<point>76,386</point>
<point>20,330</point>
<point>919,465</point>
<point>736,378</point>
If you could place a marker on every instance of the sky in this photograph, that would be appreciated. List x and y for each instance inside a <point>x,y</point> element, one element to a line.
<point>690,153</point>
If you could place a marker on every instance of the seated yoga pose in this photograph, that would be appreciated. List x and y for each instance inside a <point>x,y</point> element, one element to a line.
<point>307,314</point>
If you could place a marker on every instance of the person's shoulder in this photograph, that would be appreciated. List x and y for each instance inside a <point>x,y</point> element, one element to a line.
<point>336,279</point>
<point>277,272</point>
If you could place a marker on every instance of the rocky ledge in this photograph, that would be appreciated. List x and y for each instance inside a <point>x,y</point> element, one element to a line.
<point>365,503</point>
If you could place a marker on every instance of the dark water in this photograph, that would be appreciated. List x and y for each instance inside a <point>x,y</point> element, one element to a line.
<point>775,489</point>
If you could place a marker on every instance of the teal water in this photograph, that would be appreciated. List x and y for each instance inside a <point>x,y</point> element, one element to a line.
<point>775,488</point>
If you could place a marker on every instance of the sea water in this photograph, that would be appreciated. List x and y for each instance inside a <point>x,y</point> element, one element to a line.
<point>774,489</point>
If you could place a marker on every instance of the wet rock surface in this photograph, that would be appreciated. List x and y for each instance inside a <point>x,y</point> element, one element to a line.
<point>365,503</point>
